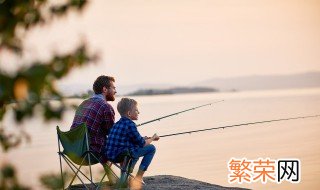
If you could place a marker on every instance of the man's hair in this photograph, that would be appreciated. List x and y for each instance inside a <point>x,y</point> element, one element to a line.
<point>125,105</point>
<point>100,82</point>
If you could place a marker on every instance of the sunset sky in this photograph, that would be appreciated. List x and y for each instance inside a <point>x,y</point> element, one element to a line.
<point>182,41</point>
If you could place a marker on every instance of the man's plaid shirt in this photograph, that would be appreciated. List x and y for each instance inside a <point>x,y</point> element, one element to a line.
<point>123,135</point>
<point>99,118</point>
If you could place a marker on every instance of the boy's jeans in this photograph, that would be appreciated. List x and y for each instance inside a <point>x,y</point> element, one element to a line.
<point>147,153</point>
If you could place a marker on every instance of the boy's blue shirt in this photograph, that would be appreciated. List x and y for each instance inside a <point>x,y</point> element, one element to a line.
<point>123,136</point>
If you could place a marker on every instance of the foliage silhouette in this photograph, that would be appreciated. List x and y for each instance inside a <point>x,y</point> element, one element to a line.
<point>30,89</point>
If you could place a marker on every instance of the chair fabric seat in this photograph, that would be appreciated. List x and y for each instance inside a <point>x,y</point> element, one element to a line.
<point>75,145</point>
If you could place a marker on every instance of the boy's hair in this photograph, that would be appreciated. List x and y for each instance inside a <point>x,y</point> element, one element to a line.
<point>100,82</point>
<point>125,105</point>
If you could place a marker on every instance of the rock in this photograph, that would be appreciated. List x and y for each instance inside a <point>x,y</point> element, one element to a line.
<point>161,182</point>
<point>180,183</point>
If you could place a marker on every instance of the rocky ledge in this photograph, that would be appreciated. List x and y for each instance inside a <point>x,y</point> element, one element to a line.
<point>170,182</point>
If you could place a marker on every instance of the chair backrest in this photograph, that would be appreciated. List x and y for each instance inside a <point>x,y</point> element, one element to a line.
<point>75,144</point>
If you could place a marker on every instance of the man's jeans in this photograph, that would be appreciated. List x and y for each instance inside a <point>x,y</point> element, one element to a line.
<point>147,153</point>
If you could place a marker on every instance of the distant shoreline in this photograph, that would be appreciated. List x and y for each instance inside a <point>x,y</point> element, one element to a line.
<point>176,90</point>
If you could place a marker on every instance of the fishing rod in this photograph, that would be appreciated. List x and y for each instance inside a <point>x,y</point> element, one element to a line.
<point>237,125</point>
<point>158,119</point>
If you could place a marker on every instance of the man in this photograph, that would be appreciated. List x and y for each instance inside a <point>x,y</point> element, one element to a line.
<point>98,114</point>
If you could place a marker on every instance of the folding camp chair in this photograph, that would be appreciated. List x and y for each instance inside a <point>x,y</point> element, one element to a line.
<point>76,152</point>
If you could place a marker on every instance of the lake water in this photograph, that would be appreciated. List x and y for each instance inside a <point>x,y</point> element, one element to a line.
<point>203,156</point>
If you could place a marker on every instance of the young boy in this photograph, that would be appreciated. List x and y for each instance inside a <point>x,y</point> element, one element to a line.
<point>124,136</point>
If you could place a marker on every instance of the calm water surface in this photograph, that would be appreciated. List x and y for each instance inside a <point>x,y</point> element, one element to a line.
<point>203,156</point>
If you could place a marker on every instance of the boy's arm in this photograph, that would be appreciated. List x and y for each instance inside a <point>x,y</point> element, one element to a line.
<point>138,139</point>
<point>135,136</point>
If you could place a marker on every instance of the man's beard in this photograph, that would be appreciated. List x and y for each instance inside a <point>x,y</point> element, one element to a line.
<point>109,97</point>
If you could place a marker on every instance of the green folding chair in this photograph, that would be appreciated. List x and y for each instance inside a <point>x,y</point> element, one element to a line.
<point>76,154</point>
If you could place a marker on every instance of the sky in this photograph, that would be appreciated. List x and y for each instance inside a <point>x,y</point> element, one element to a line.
<point>185,41</point>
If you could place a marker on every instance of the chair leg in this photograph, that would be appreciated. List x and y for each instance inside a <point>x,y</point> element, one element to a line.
<point>75,175</point>
<point>123,183</point>
<point>113,178</point>
<point>128,169</point>
<point>100,183</point>
<point>62,179</point>
<point>73,168</point>
<point>89,157</point>
<point>78,169</point>
<point>60,154</point>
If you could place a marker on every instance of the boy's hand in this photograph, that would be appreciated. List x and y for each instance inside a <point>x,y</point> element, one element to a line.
<point>155,137</point>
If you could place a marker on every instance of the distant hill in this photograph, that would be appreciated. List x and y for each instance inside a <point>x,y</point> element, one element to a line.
<point>177,90</point>
<point>304,80</point>
<point>126,89</point>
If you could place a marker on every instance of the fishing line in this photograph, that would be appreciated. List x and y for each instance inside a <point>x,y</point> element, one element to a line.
<point>237,125</point>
